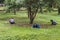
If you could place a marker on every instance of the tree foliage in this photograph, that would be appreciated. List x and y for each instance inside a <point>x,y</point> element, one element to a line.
<point>32,6</point>
<point>13,5</point>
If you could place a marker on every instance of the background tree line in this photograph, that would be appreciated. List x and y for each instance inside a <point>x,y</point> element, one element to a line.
<point>32,6</point>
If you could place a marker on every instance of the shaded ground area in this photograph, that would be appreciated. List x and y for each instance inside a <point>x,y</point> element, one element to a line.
<point>30,25</point>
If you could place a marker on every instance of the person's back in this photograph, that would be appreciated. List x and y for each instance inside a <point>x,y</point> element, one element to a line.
<point>36,26</point>
<point>11,21</point>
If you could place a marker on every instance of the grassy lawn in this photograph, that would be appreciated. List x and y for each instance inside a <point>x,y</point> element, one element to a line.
<point>22,30</point>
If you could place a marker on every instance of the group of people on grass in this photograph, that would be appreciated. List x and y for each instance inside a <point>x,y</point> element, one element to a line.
<point>11,21</point>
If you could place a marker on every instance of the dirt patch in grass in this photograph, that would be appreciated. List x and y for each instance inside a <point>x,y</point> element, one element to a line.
<point>30,25</point>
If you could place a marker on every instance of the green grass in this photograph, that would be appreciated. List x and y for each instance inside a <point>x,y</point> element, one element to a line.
<point>22,31</point>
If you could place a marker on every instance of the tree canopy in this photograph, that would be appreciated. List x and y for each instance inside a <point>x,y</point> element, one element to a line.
<point>32,6</point>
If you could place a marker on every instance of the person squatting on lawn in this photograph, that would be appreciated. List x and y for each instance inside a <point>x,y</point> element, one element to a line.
<point>36,25</point>
<point>53,22</point>
<point>12,21</point>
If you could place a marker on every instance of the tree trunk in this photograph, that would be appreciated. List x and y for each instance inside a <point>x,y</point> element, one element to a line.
<point>8,11</point>
<point>31,20</point>
<point>14,11</point>
<point>41,10</point>
<point>58,10</point>
<point>32,14</point>
<point>50,7</point>
<point>28,13</point>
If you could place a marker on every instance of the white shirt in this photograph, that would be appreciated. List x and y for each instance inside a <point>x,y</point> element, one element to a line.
<point>11,20</point>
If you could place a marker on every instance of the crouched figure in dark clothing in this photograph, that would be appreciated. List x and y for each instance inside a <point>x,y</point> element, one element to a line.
<point>36,26</point>
<point>53,22</point>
